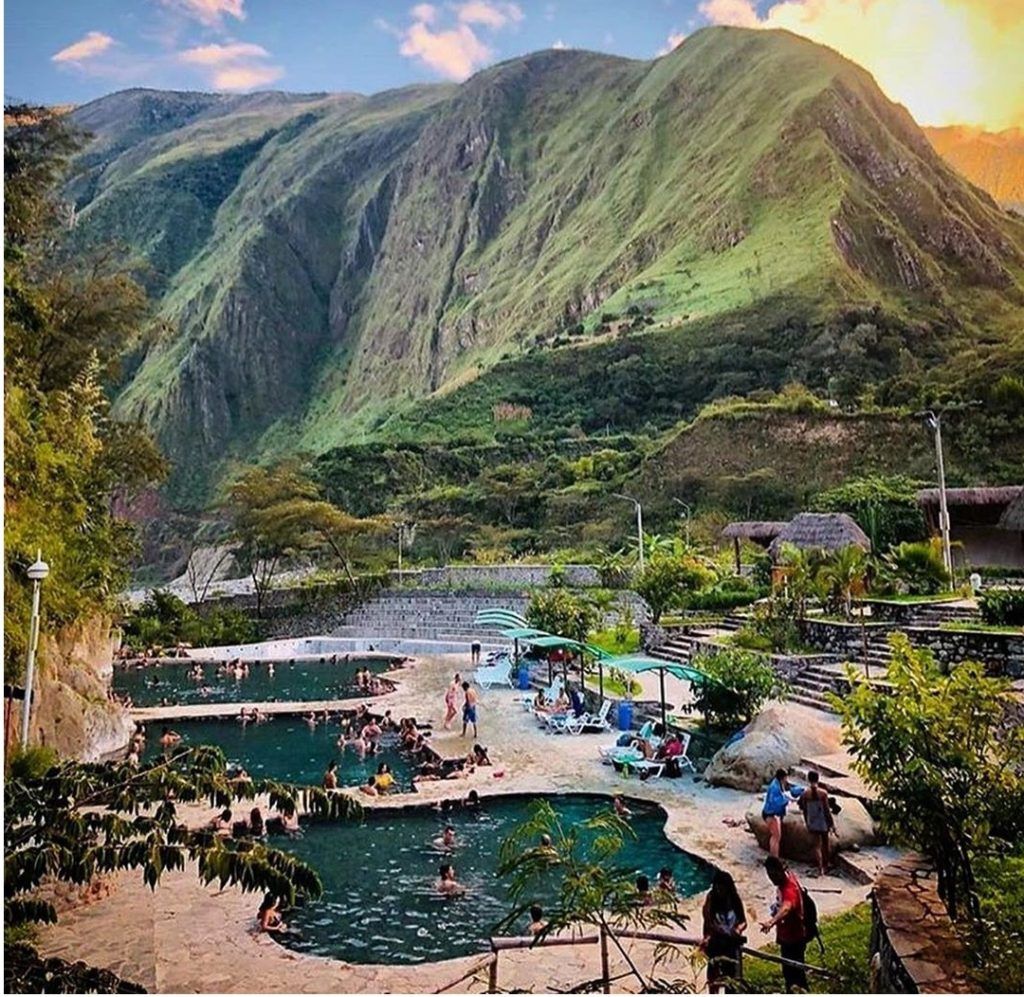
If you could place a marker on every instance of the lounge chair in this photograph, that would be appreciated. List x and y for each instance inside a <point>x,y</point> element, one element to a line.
<point>496,674</point>
<point>610,751</point>
<point>551,693</point>
<point>590,722</point>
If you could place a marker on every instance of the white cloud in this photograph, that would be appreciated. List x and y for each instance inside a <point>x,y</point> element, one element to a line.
<point>560,45</point>
<point>740,13</point>
<point>491,15</point>
<point>243,77</point>
<point>217,55</point>
<point>425,12</point>
<point>208,12</point>
<point>448,41</point>
<point>674,40</point>
<point>232,66</point>
<point>87,47</point>
<point>454,53</point>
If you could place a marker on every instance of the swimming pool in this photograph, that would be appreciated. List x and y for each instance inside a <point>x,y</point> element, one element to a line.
<point>285,749</point>
<point>380,904</point>
<point>292,681</point>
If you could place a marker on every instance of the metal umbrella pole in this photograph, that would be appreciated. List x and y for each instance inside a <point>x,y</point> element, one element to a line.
<point>664,719</point>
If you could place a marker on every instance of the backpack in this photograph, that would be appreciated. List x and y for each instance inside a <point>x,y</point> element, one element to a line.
<point>810,918</point>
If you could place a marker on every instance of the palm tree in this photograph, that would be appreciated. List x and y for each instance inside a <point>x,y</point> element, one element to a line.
<point>844,574</point>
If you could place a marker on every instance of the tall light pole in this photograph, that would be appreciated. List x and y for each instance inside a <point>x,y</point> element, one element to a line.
<point>36,573</point>
<point>687,513</point>
<point>639,527</point>
<point>934,423</point>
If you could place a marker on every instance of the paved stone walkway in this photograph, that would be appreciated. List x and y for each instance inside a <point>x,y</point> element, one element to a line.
<point>185,937</point>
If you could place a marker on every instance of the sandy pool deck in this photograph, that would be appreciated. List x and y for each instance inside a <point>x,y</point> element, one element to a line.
<point>184,937</point>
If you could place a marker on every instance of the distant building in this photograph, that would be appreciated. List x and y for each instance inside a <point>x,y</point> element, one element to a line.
<point>987,523</point>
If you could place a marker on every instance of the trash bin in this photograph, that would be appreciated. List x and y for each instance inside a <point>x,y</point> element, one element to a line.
<point>626,715</point>
<point>524,676</point>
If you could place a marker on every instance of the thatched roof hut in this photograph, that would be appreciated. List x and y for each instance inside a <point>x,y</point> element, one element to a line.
<point>820,531</point>
<point>1013,515</point>
<point>994,495</point>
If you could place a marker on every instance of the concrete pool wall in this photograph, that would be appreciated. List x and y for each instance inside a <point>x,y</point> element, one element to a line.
<point>313,647</point>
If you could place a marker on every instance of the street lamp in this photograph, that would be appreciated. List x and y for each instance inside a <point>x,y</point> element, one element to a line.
<point>36,573</point>
<point>687,513</point>
<point>933,421</point>
<point>639,527</point>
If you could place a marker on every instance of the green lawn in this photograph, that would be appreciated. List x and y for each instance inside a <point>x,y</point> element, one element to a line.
<point>846,938</point>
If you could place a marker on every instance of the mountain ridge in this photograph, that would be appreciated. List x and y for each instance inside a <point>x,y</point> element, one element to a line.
<point>325,263</point>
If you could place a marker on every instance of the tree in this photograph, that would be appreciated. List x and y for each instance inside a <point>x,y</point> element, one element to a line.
<point>667,580</point>
<point>943,762</point>
<point>264,536</point>
<point>884,507</point>
<point>68,319</point>
<point>740,683</point>
<point>75,821</point>
<point>843,576</point>
<point>508,487</point>
<point>590,887</point>
<point>563,612</point>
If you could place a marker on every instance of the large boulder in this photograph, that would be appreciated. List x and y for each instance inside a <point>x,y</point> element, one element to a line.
<point>777,738</point>
<point>854,827</point>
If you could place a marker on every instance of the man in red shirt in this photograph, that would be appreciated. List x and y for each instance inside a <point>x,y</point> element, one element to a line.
<point>788,921</point>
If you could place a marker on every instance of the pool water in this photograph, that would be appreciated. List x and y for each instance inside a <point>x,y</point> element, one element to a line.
<point>380,904</point>
<point>285,749</point>
<point>292,681</point>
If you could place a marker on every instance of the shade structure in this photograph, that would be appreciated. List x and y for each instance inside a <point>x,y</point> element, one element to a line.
<point>638,663</point>
<point>521,633</point>
<point>500,618</point>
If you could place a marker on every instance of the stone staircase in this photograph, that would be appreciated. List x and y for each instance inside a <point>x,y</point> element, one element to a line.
<point>439,616</point>
<point>935,614</point>
<point>809,687</point>
<point>679,647</point>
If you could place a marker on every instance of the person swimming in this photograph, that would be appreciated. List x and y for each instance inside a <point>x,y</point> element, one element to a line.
<point>330,779</point>
<point>666,881</point>
<point>269,917</point>
<point>447,884</point>
<point>537,922</point>
<point>169,738</point>
<point>619,805</point>
<point>447,839</point>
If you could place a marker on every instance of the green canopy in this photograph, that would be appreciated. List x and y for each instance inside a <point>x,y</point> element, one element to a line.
<point>521,633</point>
<point>499,618</point>
<point>639,663</point>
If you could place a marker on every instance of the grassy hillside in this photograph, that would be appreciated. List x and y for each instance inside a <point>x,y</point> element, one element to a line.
<point>607,241</point>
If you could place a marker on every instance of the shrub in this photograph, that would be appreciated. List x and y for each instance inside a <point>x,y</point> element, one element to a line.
<point>666,582</point>
<point>728,593</point>
<point>741,683</point>
<point>32,763</point>
<point>164,620</point>
<point>1003,607</point>
<point>916,568</point>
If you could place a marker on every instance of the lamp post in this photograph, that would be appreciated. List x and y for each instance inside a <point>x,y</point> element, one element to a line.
<point>934,422</point>
<point>686,514</point>
<point>36,573</point>
<point>639,527</point>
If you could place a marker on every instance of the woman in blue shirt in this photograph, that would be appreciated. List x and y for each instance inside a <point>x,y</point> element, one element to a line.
<point>780,794</point>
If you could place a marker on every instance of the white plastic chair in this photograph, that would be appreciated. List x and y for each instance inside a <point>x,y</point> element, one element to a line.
<point>597,722</point>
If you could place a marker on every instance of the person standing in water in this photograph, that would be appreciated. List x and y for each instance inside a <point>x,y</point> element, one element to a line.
<point>469,709</point>
<point>447,884</point>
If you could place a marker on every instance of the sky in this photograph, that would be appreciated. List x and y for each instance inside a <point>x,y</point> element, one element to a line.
<point>948,61</point>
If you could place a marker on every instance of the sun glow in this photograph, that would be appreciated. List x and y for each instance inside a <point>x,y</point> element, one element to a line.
<point>947,61</point>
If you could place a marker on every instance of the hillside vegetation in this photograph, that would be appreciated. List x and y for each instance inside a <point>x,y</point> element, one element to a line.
<point>609,243</point>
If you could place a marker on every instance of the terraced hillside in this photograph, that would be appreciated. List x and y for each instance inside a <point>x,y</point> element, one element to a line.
<point>324,262</point>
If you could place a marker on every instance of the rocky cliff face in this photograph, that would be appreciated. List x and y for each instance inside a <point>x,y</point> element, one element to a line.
<point>72,712</point>
<point>324,260</point>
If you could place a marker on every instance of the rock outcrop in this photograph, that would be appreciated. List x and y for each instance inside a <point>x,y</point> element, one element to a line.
<point>854,827</point>
<point>72,712</point>
<point>778,738</point>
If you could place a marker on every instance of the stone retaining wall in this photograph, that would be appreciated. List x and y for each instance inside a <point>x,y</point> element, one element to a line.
<point>526,575</point>
<point>1001,653</point>
<point>914,946</point>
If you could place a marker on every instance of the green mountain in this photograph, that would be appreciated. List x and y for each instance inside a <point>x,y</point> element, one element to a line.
<point>636,237</point>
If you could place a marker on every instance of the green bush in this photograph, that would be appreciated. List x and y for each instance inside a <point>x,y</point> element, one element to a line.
<point>728,593</point>
<point>1003,607</point>
<point>32,763</point>
<point>915,568</point>
<point>741,682</point>
<point>163,620</point>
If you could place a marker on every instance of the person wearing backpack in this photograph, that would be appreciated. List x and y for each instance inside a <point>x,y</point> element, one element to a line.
<point>818,818</point>
<point>788,920</point>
